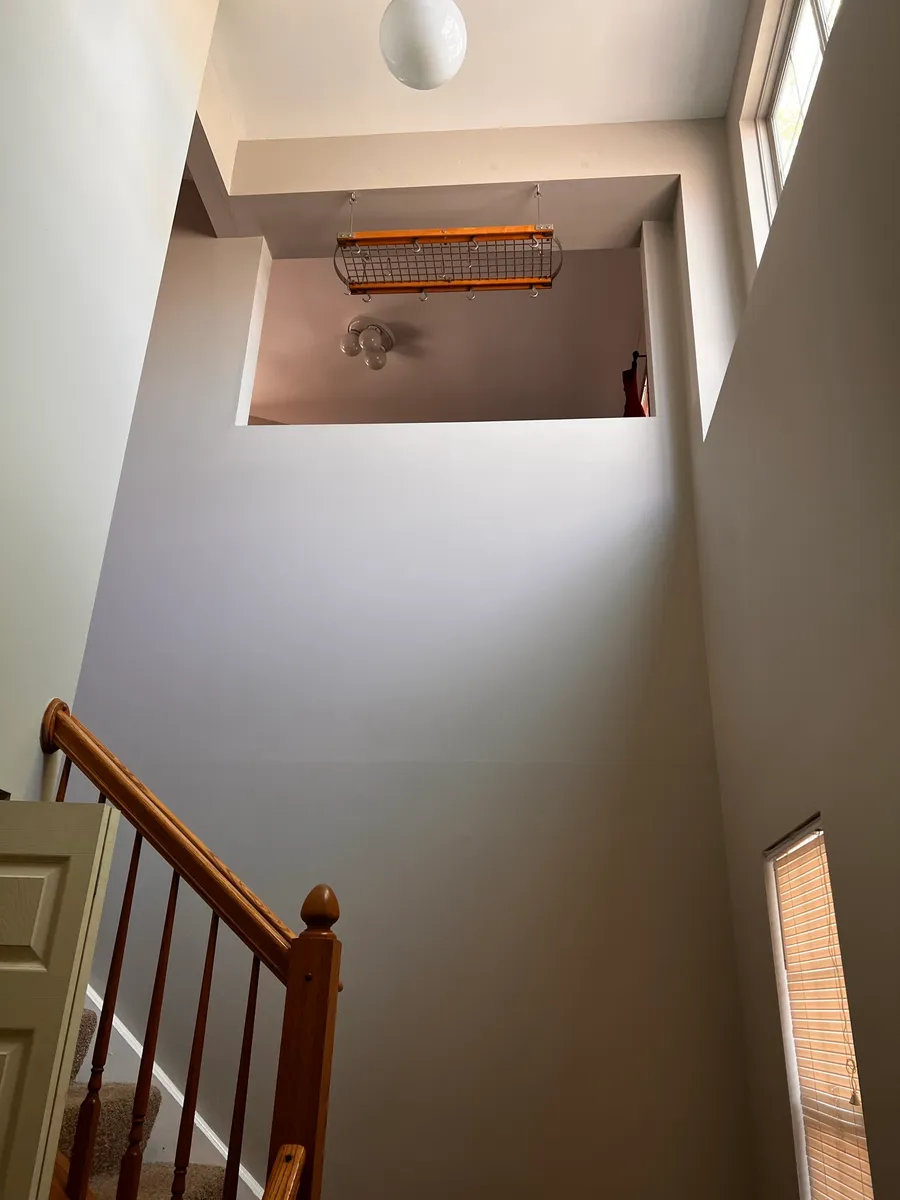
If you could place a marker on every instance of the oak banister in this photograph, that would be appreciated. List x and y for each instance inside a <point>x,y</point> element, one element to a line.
<point>60,726</point>
<point>308,964</point>
<point>244,913</point>
<point>303,1082</point>
<point>286,1174</point>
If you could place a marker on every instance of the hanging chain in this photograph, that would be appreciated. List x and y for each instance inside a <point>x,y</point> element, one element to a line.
<point>537,196</point>
<point>352,202</point>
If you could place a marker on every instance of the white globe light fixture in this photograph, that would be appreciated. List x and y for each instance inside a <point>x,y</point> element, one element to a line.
<point>350,344</point>
<point>423,42</point>
<point>370,339</point>
<point>375,359</point>
<point>373,340</point>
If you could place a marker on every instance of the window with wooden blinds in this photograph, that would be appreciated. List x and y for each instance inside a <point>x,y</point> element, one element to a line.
<point>828,1105</point>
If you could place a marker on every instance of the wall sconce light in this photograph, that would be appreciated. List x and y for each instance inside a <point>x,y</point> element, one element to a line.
<point>369,338</point>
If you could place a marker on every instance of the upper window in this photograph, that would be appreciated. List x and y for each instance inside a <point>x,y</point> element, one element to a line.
<point>830,1131</point>
<point>810,26</point>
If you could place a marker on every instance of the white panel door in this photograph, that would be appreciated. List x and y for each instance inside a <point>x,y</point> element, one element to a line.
<point>54,862</point>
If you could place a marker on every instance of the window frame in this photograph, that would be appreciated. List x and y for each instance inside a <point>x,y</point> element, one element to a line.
<point>773,181</point>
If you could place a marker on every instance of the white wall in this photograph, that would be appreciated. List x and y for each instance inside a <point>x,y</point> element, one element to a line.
<point>98,101</point>
<point>799,495</point>
<point>458,672</point>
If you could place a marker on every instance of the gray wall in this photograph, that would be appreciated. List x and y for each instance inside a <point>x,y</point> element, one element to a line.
<point>458,672</point>
<point>87,208</point>
<point>799,498</point>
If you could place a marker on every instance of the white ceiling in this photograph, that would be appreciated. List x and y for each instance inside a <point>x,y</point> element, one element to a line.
<point>502,357</point>
<point>312,68</point>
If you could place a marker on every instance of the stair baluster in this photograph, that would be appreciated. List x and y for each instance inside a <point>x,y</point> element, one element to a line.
<point>236,1138</point>
<point>192,1085</point>
<point>132,1159</point>
<point>89,1113</point>
<point>63,780</point>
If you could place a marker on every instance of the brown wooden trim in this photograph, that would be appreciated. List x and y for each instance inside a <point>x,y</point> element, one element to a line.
<point>63,781</point>
<point>300,1113</point>
<point>60,1178</point>
<point>284,1178</point>
<point>541,282</point>
<point>132,1159</point>
<point>407,237</point>
<point>64,717</point>
<point>192,1085</point>
<point>243,912</point>
<point>239,1112</point>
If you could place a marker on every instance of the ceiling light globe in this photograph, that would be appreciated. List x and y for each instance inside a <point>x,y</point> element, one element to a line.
<point>350,344</point>
<point>375,360</point>
<point>370,339</point>
<point>423,42</point>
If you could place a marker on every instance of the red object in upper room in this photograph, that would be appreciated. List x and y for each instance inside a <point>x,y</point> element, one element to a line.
<point>633,405</point>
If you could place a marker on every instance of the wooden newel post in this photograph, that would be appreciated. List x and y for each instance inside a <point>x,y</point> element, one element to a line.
<point>307,1039</point>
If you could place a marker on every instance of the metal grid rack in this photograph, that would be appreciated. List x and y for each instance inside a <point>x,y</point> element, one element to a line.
<point>496,258</point>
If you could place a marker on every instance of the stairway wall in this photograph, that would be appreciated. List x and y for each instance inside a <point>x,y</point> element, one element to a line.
<point>458,672</point>
<point>798,499</point>
<point>100,102</point>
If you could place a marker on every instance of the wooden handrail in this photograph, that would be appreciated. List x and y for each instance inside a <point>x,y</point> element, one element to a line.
<point>308,964</point>
<point>284,1178</point>
<point>236,905</point>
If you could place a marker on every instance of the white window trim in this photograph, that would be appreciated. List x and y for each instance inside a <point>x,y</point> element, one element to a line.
<point>772,28</point>
<point>777,65</point>
<point>763,35</point>
<point>777,68</point>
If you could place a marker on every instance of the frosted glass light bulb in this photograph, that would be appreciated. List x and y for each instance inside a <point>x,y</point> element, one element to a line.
<point>370,339</point>
<point>423,42</point>
<point>375,359</point>
<point>350,344</point>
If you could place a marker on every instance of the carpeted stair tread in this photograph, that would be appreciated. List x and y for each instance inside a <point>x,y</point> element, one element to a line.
<point>203,1183</point>
<point>85,1037</point>
<point>117,1102</point>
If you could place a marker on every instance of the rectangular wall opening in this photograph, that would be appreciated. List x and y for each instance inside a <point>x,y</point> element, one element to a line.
<point>497,356</point>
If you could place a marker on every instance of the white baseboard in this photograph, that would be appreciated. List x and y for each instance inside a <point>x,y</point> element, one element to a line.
<point>122,1066</point>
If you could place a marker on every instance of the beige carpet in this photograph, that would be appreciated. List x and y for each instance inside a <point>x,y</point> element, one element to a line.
<point>117,1102</point>
<point>203,1183</point>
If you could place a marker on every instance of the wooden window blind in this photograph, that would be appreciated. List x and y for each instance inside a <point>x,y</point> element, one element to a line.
<point>830,1102</point>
